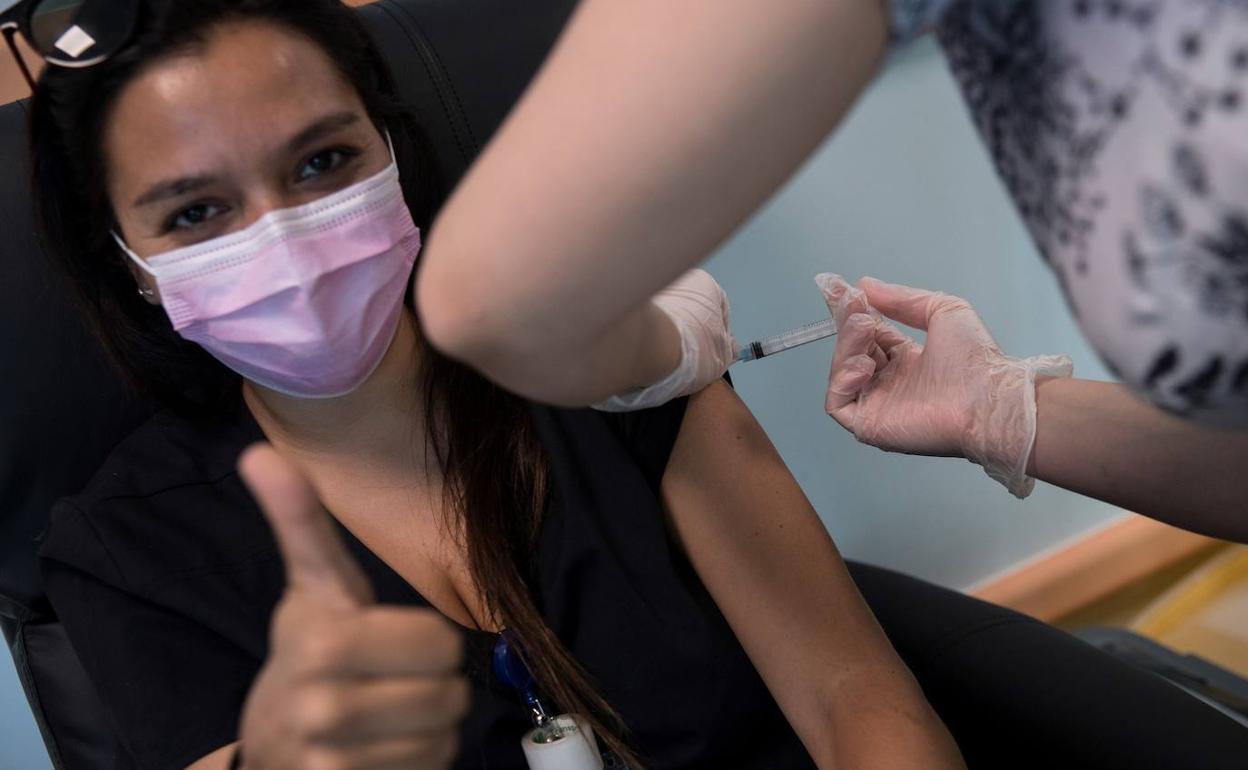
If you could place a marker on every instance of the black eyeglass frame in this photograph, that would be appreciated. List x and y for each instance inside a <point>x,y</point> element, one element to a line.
<point>17,20</point>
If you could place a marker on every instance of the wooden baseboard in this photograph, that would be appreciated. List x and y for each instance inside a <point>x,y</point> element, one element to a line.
<point>1091,567</point>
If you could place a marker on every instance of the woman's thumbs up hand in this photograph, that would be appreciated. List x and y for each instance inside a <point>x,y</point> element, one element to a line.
<point>348,683</point>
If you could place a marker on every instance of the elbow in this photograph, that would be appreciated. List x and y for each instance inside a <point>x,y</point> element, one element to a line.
<point>461,317</point>
<point>453,327</point>
<point>454,323</point>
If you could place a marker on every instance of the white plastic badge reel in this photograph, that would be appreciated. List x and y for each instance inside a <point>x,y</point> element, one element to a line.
<point>563,742</point>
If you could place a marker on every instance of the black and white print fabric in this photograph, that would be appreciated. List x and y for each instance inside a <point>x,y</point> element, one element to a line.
<point>910,18</point>
<point>1120,128</point>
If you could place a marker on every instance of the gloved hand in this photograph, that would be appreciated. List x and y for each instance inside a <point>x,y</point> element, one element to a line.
<point>955,395</point>
<point>698,308</point>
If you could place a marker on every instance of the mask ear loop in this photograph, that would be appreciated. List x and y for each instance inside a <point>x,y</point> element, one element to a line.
<point>144,292</point>
<point>394,161</point>
<point>134,257</point>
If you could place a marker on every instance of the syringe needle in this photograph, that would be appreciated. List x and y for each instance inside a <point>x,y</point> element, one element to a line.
<point>787,340</point>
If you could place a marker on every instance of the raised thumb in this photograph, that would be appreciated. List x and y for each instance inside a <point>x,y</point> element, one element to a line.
<point>316,559</point>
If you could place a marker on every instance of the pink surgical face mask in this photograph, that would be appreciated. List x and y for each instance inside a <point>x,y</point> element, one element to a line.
<point>306,300</point>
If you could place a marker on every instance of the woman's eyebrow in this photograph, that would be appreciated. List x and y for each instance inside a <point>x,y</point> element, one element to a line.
<point>315,130</point>
<point>172,188</point>
<point>320,127</point>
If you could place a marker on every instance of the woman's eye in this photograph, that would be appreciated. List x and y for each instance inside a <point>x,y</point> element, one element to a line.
<point>193,216</point>
<point>322,163</point>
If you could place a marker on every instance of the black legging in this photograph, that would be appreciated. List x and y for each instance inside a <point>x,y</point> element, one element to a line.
<point>1017,693</point>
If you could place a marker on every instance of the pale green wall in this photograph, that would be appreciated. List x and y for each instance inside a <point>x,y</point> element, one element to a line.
<point>904,192</point>
<point>20,746</point>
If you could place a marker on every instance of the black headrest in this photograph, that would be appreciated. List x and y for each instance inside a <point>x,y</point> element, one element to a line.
<point>459,65</point>
<point>61,408</point>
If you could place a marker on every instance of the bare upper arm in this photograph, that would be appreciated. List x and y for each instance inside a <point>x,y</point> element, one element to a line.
<point>773,570</point>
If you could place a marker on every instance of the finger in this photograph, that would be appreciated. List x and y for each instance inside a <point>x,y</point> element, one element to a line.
<point>843,299</point>
<point>845,416</point>
<point>433,752</point>
<point>833,287</point>
<point>698,292</point>
<point>370,710</point>
<point>878,356</point>
<point>315,558</point>
<point>888,337</point>
<point>905,304</point>
<point>696,280</point>
<point>856,337</point>
<point>846,383</point>
<point>696,303</point>
<point>386,641</point>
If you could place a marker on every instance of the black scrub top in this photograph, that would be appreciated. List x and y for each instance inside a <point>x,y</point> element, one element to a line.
<point>165,574</point>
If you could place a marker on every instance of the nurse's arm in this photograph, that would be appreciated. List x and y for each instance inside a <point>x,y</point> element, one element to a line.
<point>1101,440</point>
<point>654,129</point>
<point>774,572</point>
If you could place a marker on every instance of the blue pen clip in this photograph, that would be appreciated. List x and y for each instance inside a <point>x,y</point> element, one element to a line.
<point>511,670</point>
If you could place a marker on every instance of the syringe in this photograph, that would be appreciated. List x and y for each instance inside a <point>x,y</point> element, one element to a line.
<point>778,343</point>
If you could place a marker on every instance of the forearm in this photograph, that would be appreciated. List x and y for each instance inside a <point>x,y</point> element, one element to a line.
<point>1098,439</point>
<point>639,350</point>
<point>885,722</point>
<point>654,129</point>
<point>774,572</point>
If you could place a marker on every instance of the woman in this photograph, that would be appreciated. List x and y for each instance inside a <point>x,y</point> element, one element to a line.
<point>221,194</point>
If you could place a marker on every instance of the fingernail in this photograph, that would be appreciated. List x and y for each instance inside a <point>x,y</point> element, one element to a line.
<point>830,281</point>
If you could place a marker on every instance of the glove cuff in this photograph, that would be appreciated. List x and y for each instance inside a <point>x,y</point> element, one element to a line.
<point>674,385</point>
<point>1003,426</point>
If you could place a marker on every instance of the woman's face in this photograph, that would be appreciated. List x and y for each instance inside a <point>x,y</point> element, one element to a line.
<point>204,143</point>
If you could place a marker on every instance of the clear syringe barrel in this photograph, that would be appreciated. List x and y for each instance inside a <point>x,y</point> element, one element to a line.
<point>778,343</point>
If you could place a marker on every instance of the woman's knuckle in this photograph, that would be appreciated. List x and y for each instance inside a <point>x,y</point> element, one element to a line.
<point>320,712</point>
<point>430,698</point>
<point>326,650</point>
<point>439,751</point>
<point>456,695</point>
<point>323,758</point>
<point>448,748</point>
<point>445,643</point>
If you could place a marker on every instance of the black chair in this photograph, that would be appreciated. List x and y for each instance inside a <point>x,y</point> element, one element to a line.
<point>1015,692</point>
<point>61,411</point>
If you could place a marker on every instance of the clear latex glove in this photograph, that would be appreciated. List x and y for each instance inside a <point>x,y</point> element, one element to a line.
<point>698,307</point>
<point>955,395</point>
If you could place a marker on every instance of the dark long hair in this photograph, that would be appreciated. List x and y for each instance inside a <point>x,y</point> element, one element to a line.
<point>484,439</point>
